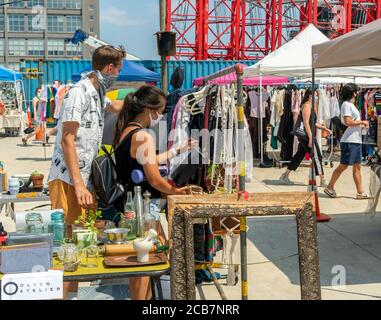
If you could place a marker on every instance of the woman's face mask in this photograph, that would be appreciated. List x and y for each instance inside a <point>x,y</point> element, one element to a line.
<point>155,122</point>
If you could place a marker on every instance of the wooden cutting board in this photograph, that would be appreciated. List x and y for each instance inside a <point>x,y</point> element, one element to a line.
<point>131,260</point>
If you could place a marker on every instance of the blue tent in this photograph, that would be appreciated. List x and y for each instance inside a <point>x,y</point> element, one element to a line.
<point>131,71</point>
<point>9,75</point>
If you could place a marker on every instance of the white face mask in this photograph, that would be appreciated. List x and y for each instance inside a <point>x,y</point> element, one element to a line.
<point>155,122</point>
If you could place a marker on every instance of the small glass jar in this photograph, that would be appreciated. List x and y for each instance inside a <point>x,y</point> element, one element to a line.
<point>34,223</point>
<point>57,227</point>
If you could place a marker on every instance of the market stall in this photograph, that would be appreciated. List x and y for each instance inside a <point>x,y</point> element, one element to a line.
<point>344,52</point>
<point>13,118</point>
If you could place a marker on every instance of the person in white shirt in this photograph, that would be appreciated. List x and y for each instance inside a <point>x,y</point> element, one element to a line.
<point>351,142</point>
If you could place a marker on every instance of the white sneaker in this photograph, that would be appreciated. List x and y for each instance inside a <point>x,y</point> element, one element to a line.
<point>285,179</point>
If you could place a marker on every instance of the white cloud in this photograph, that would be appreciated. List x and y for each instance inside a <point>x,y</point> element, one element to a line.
<point>119,17</point>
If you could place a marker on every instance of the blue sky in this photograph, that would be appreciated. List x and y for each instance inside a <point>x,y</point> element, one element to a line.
<point>131,23</point>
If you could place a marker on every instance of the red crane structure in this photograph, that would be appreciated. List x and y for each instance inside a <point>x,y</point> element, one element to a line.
<point>251,29</point>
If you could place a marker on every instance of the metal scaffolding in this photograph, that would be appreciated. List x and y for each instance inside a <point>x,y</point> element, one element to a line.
<point>250,29</point>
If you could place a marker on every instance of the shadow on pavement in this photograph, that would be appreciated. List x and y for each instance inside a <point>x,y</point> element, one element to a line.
<point>352,241</point>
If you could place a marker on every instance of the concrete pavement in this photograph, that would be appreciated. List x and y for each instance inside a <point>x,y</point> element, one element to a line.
<point>350,243</point>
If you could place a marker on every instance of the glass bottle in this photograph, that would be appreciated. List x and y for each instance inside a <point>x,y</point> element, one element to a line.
<point>138,203</point>
<point>149,220</point>
<point>34,223</point>
<point>128,220</point>
<point>57,227</point>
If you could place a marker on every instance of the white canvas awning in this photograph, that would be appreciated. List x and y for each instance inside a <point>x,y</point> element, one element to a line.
<point>361,47</point>
<point>343,80</point>
<point>294,59</point>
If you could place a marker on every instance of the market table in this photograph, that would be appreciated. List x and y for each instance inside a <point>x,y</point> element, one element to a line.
<point>374,188</point>
<point>84,274</point>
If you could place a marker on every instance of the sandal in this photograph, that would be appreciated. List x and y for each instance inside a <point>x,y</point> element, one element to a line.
<point>362,196</point>
<point>330,193</point>
<point>24,142</point>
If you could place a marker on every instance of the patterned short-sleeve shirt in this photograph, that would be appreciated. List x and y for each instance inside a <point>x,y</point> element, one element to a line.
<point>81,104</point>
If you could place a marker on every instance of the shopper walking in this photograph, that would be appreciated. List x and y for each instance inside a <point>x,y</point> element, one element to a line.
<point>305,146</point>
<point>351,142</point>
<point>35,116</point>
<point>79,136</point>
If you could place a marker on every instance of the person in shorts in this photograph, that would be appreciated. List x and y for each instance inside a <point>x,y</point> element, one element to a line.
<point>351,142</point>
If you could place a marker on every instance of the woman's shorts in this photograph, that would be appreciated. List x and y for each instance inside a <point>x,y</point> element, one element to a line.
<point>350,153</point>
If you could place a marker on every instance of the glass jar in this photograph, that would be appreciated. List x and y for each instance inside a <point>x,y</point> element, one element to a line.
<point>34,223</point>
<point>71,256</point>
<point>57,227</point>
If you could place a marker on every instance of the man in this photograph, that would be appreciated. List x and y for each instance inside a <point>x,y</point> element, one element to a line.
<point>79,136</point>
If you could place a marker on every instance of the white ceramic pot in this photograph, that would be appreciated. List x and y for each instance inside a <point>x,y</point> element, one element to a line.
<point>142,248</point>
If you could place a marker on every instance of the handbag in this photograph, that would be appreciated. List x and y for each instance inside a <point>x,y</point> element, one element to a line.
<point>298,130</point>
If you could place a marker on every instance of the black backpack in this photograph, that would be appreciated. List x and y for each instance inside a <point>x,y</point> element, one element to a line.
<point>110,192</point>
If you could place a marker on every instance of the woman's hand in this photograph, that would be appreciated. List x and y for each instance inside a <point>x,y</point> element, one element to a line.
<point>188,145</point>
<point>182,191</point>
<point>310,143</point>
<point>329,132</point>
<point>365,123</point>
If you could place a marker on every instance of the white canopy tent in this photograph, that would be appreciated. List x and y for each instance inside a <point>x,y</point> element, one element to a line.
<point>361,47</point>
<point>294,59</point>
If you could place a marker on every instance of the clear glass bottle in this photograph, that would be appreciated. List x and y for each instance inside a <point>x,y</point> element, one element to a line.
<point>57,227</point>
<point>128,220</point>
<point>138,203</point>
<point>34,223</point>
<point>149,220</point>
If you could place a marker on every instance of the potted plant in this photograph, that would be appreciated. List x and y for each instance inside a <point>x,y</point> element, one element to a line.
<point>37,180</point>
<point>85,227</point>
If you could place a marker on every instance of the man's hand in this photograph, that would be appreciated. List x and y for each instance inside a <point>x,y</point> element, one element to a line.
<point>365,123</point>
<point>84,197</point>
<point>310,143</point>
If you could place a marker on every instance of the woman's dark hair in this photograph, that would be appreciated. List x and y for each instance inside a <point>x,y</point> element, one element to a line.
<point>348,91</point>
<point>306,96</point>
<point>35,93</point>
<point>147,97</point>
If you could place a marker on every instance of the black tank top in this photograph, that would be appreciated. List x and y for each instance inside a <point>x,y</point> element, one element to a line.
<point>125,164</point>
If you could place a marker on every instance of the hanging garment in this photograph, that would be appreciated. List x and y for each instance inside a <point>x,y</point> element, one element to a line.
<point>285,128</point>
<point>58,100</point>
<point>255,103</point>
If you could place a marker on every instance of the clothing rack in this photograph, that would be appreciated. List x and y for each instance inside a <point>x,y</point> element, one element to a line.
<point>238,70</point>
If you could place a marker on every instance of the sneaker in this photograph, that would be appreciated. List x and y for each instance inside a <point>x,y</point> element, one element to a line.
<point>330,193</point>
<point>362,196</point>
<point>285,180</point>
<point>323,183</point>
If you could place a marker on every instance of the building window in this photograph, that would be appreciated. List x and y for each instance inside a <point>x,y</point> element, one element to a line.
<point>91,18</point>
<point>17,4</point>
<point>35,3</point>
<point>16,47</point>
<point>35,47</point>
<point>14,66</point>
<point>91,7</point>
<point>56,23</point>
<point>2,51</point>
<point>91,30</point>
<point>73,4</point>
<point>1,23</point>
<point>56,47</point>
<point>56,4</point>
<point>16,23</point>
<point>73,23</point>
<point>73,50</point>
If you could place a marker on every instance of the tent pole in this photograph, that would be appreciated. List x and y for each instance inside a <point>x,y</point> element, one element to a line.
<point>260,117</point>
<point>242,178</point>
<point>313,127</point>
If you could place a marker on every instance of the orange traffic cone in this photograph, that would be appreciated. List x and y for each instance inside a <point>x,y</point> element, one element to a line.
<point>320,217</point>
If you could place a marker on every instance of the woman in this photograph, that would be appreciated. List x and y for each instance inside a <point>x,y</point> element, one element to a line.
<point>35,102</point>
<point>350,143</point>
<point>136,150</point>
<point>305,146</point>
